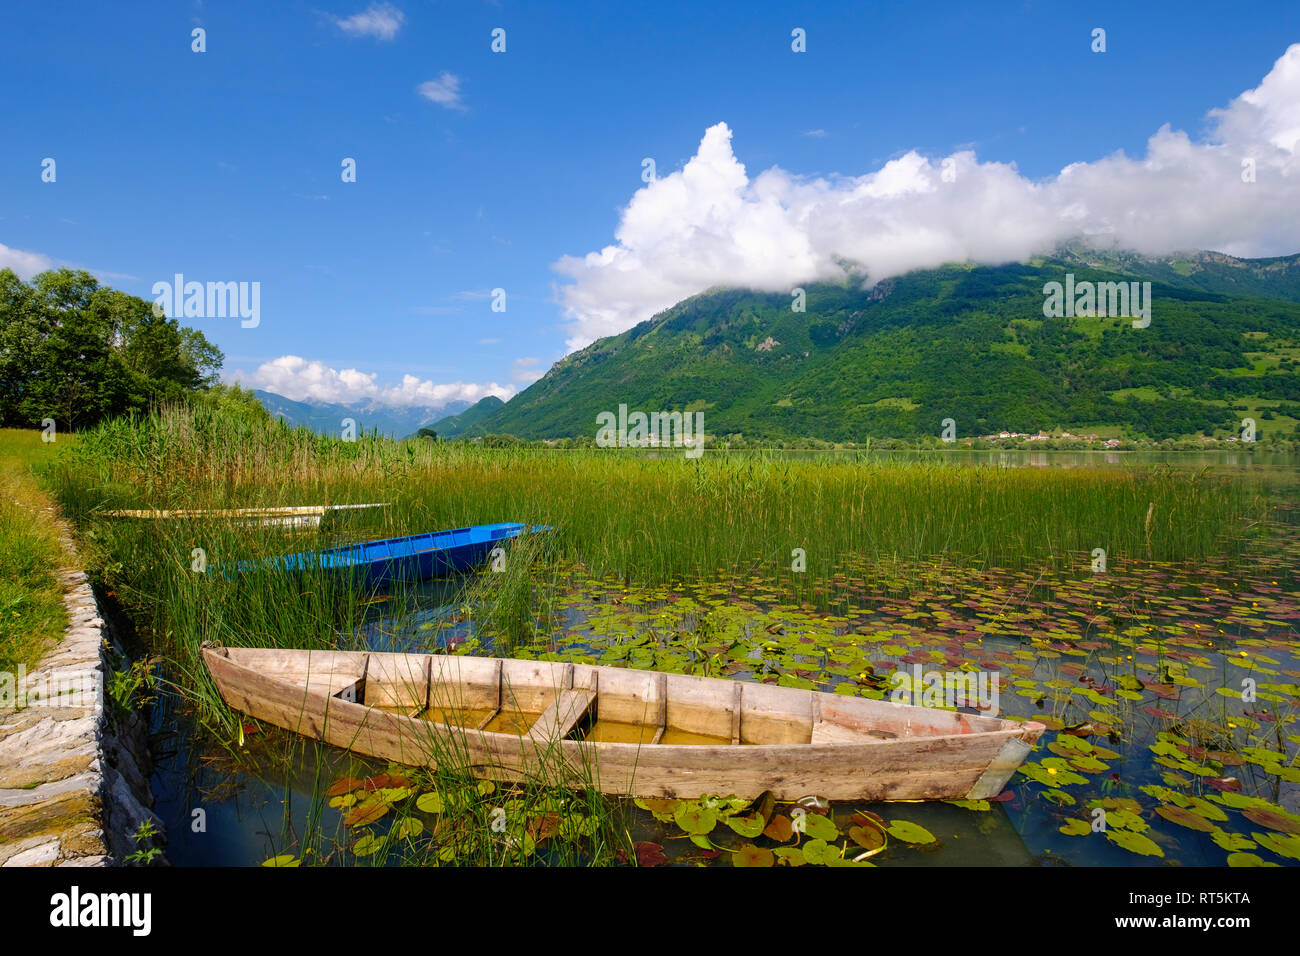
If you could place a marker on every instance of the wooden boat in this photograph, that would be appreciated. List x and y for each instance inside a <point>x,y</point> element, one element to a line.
<point>411,558</point>
<point>294,516</point>
<point>622,731</point>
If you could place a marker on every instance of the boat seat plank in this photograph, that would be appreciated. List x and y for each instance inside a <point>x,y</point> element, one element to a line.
<point>559,719</point>
<point>829,732</point>
<point>496,709</point>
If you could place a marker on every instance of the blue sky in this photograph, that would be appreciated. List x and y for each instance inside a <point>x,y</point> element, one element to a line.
<point>225,165</point>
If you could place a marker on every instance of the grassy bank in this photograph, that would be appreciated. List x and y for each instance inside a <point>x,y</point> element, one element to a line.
<point>32,615</point>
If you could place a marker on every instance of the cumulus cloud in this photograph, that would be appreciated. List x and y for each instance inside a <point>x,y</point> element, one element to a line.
<point>25,264</point>
<point>525,371</point>
<point>445,91</point>
<point>379,20</point>
<point>711,224</point>
<point>301,380</point>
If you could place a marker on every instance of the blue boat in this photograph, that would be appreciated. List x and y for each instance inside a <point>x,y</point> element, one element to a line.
<point>412,558</point>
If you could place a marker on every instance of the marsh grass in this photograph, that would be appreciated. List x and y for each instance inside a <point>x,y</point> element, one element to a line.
<point>647,520</point>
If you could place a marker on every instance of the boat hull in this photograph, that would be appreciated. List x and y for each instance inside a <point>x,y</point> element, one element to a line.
<point>834,746</point>
<point>410,558</point>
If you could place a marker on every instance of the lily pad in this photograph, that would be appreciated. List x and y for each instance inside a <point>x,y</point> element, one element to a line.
<point>1059,797</point>
<point>694,819</point>
<point>1134,842</point>
<point>430,802</point>
<point>1186,818</point>
<point>909,832</point>
<point>779,829</point>
<point>1232,841</point>
<point>869,838</point>
<point>368,845</point>
<point>649,854</point>
<point>368,811</point>
<point>819,827</point>
<point>750,855</point>
<point>1282,822</point>
<point>814,851</point>
<point>1122,819</point>
<point>791,856</point>
<point>1207,809</point>
<point>406,828</point>
<point>1287,846</point>
<point>753,823</point>
<point>343,785</point>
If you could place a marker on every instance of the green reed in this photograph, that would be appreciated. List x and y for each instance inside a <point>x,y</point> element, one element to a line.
<point>647,519</point>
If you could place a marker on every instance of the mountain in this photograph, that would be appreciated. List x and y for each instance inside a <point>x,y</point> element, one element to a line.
<point>1278,277</point>
<point>962,342</point>
<point>327,418</point>
<point>457,424</point>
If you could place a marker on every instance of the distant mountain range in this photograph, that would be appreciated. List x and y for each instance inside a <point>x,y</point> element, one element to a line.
<point>327,418</point>
<point>458,424</point>
<point>966,343</point>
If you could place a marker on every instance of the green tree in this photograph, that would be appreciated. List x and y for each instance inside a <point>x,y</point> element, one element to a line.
<point>77,352</point>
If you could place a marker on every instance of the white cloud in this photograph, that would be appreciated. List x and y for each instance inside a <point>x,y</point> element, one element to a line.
<point>445,91</point>
<point>379,20</point>
<point>25,264</point>
<point>301,380</point>
<point>710,224</point>
<point>524,371</point>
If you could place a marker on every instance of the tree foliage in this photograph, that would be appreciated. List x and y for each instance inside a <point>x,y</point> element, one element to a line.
<point>78,352</point>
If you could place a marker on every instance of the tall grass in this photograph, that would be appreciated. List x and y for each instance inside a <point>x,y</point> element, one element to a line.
<point>32,616</point>
<point>647,520</point>
<point>653,518</point>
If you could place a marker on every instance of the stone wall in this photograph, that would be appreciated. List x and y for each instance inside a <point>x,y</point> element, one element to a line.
<point>74,772</point>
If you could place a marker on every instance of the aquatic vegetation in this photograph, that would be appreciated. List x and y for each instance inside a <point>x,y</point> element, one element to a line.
<point>1170,682</point>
